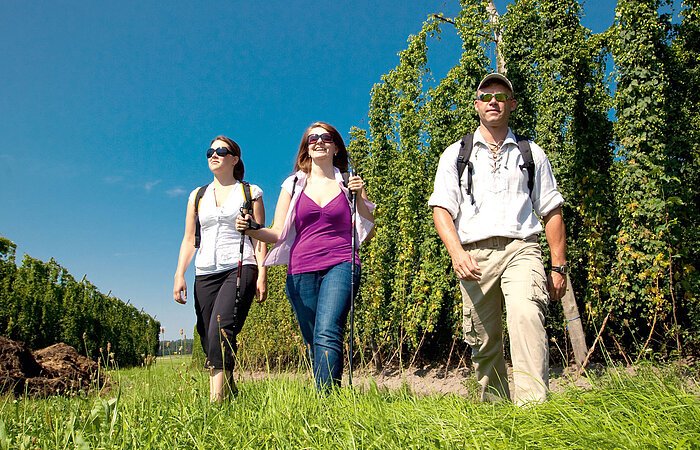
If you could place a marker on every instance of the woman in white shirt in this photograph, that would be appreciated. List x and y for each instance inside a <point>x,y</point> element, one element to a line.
<point>220,312</point>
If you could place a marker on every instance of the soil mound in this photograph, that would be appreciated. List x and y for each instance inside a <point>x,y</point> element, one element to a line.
<point>55,370</point>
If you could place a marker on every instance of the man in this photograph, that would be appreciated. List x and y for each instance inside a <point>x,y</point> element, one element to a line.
<point>490,228</point>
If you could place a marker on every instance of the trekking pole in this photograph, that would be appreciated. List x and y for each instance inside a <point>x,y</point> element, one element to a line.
<point>238,274</point>
<point>353,244</point>
<point>245,209</point>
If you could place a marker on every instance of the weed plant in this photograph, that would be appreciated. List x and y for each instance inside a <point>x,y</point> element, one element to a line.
<point>165,406</point>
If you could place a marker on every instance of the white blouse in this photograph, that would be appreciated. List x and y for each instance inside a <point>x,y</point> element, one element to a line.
<point>219,249</point>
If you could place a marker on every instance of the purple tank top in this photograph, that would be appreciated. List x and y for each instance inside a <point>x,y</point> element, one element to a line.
<point>323,235</point>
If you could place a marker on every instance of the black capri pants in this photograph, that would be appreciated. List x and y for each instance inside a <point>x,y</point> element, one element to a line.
<point>219,317</point>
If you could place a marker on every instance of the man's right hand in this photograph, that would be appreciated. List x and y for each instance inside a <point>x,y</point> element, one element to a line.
<point>465,266</point>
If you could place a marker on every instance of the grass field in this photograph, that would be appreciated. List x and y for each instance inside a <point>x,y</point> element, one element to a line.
<point>166,407</point>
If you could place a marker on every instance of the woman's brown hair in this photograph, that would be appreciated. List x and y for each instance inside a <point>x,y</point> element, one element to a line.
<point>340,159</point>
<point>238,169</point>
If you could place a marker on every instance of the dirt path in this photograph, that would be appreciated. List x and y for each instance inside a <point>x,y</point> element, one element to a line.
<point>431,380</point>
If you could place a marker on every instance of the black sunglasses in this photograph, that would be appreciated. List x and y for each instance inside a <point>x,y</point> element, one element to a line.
<point>325,137</point>
<point>221,151</point>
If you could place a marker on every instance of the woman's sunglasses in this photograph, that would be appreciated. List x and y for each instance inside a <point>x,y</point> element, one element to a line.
<point>325,137</point>
<point>221,151</point>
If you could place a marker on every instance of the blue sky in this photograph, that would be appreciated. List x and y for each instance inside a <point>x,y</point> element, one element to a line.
<point>107,109</point>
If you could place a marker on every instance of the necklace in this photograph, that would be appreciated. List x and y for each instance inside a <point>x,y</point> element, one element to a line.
<point>496,154</point>
<point>495,147</point>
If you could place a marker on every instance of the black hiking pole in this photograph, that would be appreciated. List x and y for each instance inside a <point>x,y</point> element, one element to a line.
<point>353,244</point>
<point>238,274</point>
<point>245,209</point>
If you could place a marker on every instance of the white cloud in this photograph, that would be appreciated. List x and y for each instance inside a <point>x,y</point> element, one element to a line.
<point>151,184</point>
<point>176,192</point>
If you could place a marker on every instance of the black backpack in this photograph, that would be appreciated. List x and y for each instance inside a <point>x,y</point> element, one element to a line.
<point>465,152</point>
<point>247,205</point>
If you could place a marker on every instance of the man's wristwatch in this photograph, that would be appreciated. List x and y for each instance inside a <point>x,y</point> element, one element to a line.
<point>563,269</point>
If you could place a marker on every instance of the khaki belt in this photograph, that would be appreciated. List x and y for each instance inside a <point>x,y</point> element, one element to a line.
<point>497,242</point>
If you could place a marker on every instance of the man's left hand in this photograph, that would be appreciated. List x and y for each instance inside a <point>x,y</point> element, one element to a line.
<point>557,285</point>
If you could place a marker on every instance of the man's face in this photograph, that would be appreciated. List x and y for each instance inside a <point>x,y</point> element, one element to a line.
<point>493,112</point>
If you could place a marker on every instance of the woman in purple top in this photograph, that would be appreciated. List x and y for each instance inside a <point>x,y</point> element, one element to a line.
<point>312,232</point>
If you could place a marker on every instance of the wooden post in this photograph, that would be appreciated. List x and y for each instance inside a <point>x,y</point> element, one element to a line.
<point>497,36</point>
<point>573,325</point>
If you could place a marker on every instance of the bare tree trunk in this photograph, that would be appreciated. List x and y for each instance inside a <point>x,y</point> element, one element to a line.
<point>497,38</point>
<point>574,326</point>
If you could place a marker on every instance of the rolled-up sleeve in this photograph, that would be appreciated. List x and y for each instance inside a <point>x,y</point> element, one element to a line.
<point>446,189</point>
<point>364,226</point>
<point>546,196</point>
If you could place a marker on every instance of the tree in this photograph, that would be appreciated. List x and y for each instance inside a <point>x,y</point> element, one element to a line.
<point>641,287</point>
<point>8,270</point>
<point>41,304</point>
<point>563,105</point>
<point>615,112</point>
<point>684,164</point>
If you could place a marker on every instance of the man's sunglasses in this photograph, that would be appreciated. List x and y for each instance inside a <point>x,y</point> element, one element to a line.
<point>325,137</point>
<point>221,151</point>
<point>500,97</point>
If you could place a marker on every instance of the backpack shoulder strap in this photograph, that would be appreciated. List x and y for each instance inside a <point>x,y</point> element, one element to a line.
<point>294,185</point>
<point>346,180</point>
<point>528,161</point>
<point>198,197</point>
<point>465,153</point>
<point>248,203</point>
<point>197,229</point>
<point>248,207</point>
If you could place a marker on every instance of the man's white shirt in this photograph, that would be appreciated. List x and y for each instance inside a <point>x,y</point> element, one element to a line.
<point>502,204</point>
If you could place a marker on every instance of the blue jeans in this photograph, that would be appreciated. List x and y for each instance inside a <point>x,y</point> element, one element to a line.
<point>321,302</point>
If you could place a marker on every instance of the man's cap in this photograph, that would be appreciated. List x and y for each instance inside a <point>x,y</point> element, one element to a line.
<point>496,77</point>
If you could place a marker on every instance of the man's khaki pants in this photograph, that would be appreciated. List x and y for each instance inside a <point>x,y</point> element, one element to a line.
<point>512,273</point>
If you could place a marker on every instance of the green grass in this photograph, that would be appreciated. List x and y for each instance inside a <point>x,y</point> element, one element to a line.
<point>166,406</point>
